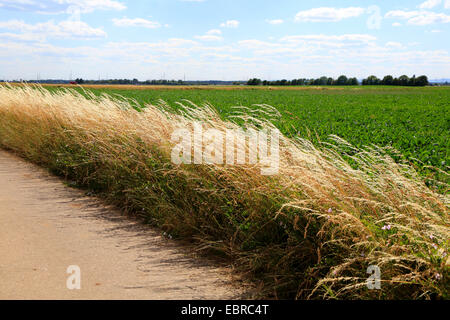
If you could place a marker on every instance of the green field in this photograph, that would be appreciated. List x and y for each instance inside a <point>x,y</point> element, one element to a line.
<point>415,121</point>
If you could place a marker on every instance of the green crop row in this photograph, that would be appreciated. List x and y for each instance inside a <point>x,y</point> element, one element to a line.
<point>414,121</point>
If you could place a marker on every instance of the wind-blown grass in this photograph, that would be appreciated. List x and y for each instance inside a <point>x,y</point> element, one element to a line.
<point>309,232</point>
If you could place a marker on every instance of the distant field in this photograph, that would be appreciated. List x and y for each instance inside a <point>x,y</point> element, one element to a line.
<point>415,121</point>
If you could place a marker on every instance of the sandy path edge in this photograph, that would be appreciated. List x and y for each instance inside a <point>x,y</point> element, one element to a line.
<point>46,226</point>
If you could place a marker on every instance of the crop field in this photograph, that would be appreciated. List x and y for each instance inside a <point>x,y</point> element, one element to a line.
<point>414,121</point>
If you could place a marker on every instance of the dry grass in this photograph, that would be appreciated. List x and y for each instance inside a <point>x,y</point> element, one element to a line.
<point>309,232</point>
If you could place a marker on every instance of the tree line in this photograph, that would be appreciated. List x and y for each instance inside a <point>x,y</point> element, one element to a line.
<point>156,82</point>
<point>400,81</point>
<point>344,81</point>
<point>130,81</point>
<point>322,81</point>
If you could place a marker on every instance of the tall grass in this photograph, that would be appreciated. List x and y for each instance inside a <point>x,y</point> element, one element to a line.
<point>309,232</point>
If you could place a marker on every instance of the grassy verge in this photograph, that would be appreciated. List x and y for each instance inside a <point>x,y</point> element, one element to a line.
<point>309,232</point>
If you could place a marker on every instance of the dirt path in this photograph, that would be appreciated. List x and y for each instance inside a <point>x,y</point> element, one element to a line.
<point>45,227</point>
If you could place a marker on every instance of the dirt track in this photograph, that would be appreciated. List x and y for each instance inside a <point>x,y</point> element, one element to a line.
<point>46,226</point>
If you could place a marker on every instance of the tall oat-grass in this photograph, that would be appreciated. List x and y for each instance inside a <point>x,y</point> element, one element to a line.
<point>309,232</point>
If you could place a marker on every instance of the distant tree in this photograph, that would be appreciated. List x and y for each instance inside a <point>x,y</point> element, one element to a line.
<point>254,82</point>
<point>422,81</point>
<point>322,81</point>
<point>352,82</point>
<point>412,81</point>
<point>342,81</point>
<point>372,80</point>
<point>387,80</point>
<point>403,80</point>
<point>79,81</point>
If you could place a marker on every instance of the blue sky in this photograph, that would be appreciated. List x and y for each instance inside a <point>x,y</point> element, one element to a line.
<point>223,39</point>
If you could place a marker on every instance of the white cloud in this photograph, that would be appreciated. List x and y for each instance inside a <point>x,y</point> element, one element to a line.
<point>394,45</point>
<point>447,4</point>
<point>136,22</point>
<point>62,6</point>
<point>256,44</point>
<point>2,2</point>
<point>402,14</point>
<point>275,21</point>
<point>354,37</point>
<point>78,29</point>
<point>208,37</point>
<point>396,24</point>
<point>91,5</point>
<point>22,36</point>
<point>50,29</point>
<point>419,18</point>
<point>293,57</point>
<point>327,14</point>
<point>214,32</point>
<point>429,4</point>
<point>230,24</point>
<point>211,35</point>
<point>307,45</point>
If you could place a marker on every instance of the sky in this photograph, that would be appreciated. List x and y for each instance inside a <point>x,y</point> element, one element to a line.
<point>223,39</point>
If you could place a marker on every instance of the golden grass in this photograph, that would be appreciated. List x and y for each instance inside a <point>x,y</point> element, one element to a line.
<point>309,232</point>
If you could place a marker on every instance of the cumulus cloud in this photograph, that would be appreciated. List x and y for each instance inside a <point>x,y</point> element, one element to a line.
<point>211,35</point>
<point>429,4</point>
<point>354,37</point>
<point>50,29</point>
<point>307,45</point>
<point>62,6</point>
<point>328,14</point>
<point>394,45</point>
<point>208,37</point>
<point>275,21</point>
<point>214,32</point>
<point>91,5</point>
<point>136,22</point>
<point>230,24</point>
<point>289,57</point>
<point>419,18</point>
